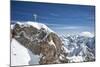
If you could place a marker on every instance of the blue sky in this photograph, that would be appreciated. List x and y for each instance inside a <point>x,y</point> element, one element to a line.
<point>62,18</point>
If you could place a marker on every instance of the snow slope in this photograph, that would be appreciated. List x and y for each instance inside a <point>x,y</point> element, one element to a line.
<point>21,55</point>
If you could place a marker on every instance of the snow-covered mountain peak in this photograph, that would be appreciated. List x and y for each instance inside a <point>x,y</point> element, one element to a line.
<point>39,39</point>
<point>34,24</point>
<point>86,34</point>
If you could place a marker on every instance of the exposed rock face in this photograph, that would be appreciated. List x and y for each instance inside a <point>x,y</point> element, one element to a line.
<point>39,41</point>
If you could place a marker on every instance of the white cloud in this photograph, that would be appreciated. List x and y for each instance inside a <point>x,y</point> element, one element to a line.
<point>70,27</point>
<point>53,14</point>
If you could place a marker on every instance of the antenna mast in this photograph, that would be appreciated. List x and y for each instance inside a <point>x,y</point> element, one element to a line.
<point>35,17</point>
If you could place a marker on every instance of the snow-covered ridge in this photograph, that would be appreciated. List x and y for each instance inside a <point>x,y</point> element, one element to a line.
<point>34,24</point>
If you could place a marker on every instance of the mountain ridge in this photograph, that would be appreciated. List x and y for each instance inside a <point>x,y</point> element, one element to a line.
<point>41,40</point>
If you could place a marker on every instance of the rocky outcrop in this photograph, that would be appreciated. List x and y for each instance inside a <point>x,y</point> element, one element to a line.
<point>40,42</point>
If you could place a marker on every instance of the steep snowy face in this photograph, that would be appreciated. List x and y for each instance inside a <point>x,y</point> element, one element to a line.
<point>18,57</point>
<point>40,40</point>
<point>21,55</point>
